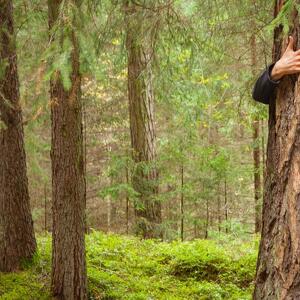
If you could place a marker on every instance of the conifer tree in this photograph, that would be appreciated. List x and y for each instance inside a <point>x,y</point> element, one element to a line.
<point>68,171</point>
<point>17,241</point>
<point>140,50</point>
<point>278,268</point>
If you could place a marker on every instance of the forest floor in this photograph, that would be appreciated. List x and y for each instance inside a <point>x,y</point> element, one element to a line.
<point>122,267</point>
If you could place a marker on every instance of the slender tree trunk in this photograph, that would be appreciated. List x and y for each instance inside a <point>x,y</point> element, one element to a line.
<point>109,207</point>
<point>219,213</point>
<point>207,220</point>
<point>226,205</point>
<point>140,49</point>
<point>263,155</point>
<point>257,178</point>
<point>17,241</point>
<point>109,203</point>
<point>68,175</point>
<point>111,210</point>
<point>263,151</point>
<point>256,146</point>
<point>196,218</point>
<point>182,205</point>
<point>84,132</point>
<point>278,268</point>
<point>127,201</point>
<point>45,207</point>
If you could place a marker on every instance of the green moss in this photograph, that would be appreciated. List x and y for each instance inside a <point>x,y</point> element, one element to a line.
<point>128,268</point>
<point>23,285</point>
<point>205,260</point>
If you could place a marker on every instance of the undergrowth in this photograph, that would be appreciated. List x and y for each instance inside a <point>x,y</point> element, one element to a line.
<point>128,268</point>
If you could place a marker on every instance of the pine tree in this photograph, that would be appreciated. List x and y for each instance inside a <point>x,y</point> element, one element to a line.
<point>140,50</point>
<point>256,145</point>
<point>17,241</point>
<point>68,171</point>
<point>278,263</point>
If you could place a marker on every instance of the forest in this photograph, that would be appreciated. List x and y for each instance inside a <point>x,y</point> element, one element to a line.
<point>135,163</point>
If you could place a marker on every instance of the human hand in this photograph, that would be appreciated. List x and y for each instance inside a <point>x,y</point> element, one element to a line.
<point>289,63</point>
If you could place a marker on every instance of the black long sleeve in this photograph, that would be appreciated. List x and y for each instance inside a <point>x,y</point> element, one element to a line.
<point>264,88</point>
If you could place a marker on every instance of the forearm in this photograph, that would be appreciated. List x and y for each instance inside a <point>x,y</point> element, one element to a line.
<point>276,73</point>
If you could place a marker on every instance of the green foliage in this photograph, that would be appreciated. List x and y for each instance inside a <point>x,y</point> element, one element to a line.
<point>203,113</point>
<point>127,268</point>
<point>283,17</point>
<point>117,190</point>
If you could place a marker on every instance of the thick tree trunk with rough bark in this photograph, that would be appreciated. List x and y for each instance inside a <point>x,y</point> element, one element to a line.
<point>278,268</point>
<point>68,177</point>
<point>17,241</point>
<point>140,48</point>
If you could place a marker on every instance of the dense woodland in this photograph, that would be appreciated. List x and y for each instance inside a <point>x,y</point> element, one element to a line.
<point>134,163</point>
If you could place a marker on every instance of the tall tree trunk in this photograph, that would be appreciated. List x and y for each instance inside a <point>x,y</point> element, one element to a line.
<point>182,204</point>
<point>226,206</point>
<point>256,172</point>
<point>111,210</point>
<point>17,241</point>
<point>219,210</point>
<point>263,152</point>
<point>207,219</point>
<point>278,268</point>
<point>68,174</point>
<point>45,208</point>
<point>127,199</point>
<point>256,144</point>
<point>140,49</point>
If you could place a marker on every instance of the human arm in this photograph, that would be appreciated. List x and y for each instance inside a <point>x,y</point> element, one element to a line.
<point>289,63</point>
<point>264,88</point>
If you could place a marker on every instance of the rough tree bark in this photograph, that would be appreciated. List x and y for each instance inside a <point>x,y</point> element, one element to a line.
<point>140,49</point>
<point>17,241</point>
<point>68,172</point>
<point>278,268</point>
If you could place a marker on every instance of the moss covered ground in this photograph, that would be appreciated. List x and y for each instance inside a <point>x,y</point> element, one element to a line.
<point>122,267</point>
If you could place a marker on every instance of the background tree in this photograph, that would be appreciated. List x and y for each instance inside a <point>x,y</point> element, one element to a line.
<point>68,170</point>
<point>140,42</point>
<point>256,138</point>
<point>17,241</point>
